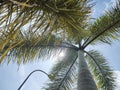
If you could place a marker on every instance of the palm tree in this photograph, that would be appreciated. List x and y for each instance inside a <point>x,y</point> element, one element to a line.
<point>41,28</point>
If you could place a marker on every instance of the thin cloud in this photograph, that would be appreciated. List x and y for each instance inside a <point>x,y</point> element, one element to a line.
<point>109,4</point>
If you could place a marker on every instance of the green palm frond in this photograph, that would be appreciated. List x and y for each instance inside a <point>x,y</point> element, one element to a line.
<point>64,72</point>
<point>45,16</point>
<point>101,71</point>
<point>64,18</point>
<point>29,46</point>
<point>106,28</point>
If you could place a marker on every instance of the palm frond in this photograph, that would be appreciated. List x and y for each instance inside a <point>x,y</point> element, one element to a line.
<point>106,28</point>
<point>101,71</point>
<point>64,18</point>
<point>64,72</point>
<point>29,46</point>
<point>53,16</point>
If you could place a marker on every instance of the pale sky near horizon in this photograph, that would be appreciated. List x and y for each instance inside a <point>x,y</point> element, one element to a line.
<point>11,77</point>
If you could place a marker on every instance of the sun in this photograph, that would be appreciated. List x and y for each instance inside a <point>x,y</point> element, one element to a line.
<point>59,56</point>
<point>62,54</point>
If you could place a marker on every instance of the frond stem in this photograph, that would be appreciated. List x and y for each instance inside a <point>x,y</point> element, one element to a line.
<point>52,45</point>
<point>100,69</point>
<point>86,41</point>
<point>67,73</point>
<point>101,33</point>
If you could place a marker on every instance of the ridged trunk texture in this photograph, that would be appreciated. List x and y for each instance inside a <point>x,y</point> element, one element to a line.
<point>85,80</point>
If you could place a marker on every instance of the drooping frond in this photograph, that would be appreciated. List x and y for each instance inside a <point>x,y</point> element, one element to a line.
<point>64,72</point>
<point>106,28</point>
<point>30,46</point>
<point>101,71</point>
<point>62,17</point>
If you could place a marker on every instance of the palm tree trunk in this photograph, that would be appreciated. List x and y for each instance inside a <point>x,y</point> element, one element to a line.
<point>85,80</point>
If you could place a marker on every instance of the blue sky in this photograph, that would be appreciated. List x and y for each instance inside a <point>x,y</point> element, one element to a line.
<point>11,75</point>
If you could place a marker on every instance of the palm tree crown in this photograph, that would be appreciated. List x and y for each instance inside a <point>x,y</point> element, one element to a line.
<point>38,28</point>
